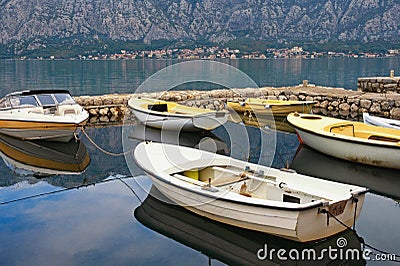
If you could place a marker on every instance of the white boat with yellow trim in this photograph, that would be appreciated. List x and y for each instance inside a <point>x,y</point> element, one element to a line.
<point>381,121</point>
<point>277,107</point>
<point>172,116</point>
<point>41,114</point>
<point>349,140</point>
<point>251,196</point>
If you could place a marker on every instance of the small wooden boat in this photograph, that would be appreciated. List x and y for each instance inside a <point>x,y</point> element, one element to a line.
<point>173,116</point>
<point>250,196</point>
<point>349,140</point>
<point>277,107</point>
<point>382,181</point>
<point>43,158</point>
<point>41,114</point>
<point>380,121</point>
<point>228,244</point>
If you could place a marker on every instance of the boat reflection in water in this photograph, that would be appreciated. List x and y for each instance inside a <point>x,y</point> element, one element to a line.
<point>204,140</point>
<point>237,246</point>
<point>383,181</point>
<point>267,121</point>
<point>42,158</point>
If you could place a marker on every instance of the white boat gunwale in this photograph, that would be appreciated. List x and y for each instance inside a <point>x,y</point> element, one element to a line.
<point>66,124</point>
<point>243,200</point>
<point>345,138</point>
<point>380,121</point>
<point>284,102</point>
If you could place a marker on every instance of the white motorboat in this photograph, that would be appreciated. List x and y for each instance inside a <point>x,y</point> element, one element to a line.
<point>172,116</point>
<point>41,114</point>
<point>251,196</point>
<point>380,121</point>
<point>349,140</point>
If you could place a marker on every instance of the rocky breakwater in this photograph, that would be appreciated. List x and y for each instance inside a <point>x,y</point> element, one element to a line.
<point>334,102</point>
<point>379,84</point>
<point>104,108</point>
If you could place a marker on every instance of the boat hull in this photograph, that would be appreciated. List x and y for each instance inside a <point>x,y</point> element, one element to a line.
<point>33,130</point>
<point>352,151</point>
<point>302,225</point>
<point>283,108</point>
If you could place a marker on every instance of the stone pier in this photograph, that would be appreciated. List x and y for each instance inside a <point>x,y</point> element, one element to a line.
<point>336,102</point>
<point>389,84</point>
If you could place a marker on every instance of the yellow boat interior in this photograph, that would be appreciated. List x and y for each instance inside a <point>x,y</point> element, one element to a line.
<point>245,182</point>
<point>349,128</point>
<point>169,107</point>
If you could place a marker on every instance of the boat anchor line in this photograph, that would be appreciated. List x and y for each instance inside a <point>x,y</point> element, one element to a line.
<point>73,187</point>
<point>100,148</point>
<point>361,239</point>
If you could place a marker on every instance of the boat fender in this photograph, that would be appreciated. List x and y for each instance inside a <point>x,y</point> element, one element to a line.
<point>243,190</point>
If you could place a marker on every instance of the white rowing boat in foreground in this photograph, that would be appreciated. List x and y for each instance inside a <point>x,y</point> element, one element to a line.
<point>380,121</point>
<point>41,114</point>
<point>251,196</point>
<point>172,116</point>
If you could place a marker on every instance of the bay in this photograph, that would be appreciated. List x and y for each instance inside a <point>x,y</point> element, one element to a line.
<point>124,76</point>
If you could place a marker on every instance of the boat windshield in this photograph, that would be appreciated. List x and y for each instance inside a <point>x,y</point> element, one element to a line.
<point>46,99</point>
<point>24,101</point>
<point>4,103</point>
<point>64,98</point>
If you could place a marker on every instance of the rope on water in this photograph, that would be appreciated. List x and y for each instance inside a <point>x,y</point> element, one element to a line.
<point>362,241</point>
<point>103,150</point>
<point>71,188</point>
<point>130,188</point>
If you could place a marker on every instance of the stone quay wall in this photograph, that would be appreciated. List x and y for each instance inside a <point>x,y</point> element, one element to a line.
<point>336,102</point>
<point>389,84</point>
<point>379,84</point>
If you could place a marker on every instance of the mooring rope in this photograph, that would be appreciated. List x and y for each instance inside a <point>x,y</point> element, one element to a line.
<point>74,187</point>
<point>362,241</point>
<point>103,150</point>
<point>130,188</point>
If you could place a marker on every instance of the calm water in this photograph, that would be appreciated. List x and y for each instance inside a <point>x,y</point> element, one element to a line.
<point>46,220</point>
<point>102,77</point>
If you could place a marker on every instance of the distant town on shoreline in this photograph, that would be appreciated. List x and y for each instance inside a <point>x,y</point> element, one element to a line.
<point>216,52</point>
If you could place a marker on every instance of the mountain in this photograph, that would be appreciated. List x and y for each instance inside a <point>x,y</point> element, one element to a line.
<point>29,25</point>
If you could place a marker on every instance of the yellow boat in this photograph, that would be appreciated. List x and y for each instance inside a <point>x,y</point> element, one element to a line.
<point>277,107</point>
<point>349,140</point>
<point>172,116</point>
